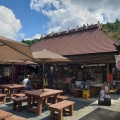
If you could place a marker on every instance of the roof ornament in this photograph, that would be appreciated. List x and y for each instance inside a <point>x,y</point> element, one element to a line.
<point>45,34</point>
<point>99,25</point>
<point>59,32</point>
<point>51,34</point>
<point>76,28</point>
<point>67,30</point>
<point>87,25</point>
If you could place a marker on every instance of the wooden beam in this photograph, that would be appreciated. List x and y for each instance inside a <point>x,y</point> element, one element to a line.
<point>108,71</point>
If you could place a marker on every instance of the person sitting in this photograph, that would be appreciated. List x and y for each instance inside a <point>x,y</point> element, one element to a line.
<point>27,83</point>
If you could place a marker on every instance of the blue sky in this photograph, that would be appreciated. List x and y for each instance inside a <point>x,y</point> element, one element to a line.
<point>29,19</point>
<point>32,22</point>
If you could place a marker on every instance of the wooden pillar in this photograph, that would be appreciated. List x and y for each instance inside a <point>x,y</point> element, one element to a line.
<point>108,71</point>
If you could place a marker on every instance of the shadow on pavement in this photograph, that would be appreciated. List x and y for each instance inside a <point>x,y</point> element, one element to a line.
<point>79,104</point>
<point>102,114</point>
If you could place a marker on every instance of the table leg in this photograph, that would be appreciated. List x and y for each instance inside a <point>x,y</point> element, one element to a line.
<point>51,112</point>
<point>3,91</point>
<point>55,98</point>
<point>4,100</point>
<point>20,91</point>
<point>39,106</point>
<point>60,114</point>
<point>28,103</point>
<point>8,92</point>
<point>71,110</point>
<point>11,94</point>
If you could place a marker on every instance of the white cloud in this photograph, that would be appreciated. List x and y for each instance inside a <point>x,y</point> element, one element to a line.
<point>9,24</point>
<point>36,36</point>
<point>65,14</point>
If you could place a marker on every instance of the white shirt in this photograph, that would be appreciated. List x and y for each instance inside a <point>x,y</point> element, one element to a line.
<point>26,82</point>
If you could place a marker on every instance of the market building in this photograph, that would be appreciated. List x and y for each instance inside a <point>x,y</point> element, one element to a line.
<point>89,48</point>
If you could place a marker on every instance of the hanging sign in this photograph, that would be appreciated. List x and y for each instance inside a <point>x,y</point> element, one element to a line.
<point>117,57</point>
<point>6,71</point>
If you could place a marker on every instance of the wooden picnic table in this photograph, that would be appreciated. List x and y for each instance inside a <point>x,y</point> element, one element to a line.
<point>11,88</point>
<point>39,95</point>
<point>4,115</point>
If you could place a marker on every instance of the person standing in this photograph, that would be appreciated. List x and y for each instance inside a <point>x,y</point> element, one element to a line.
<point>51,77</point>
<point>79,75</point>
<point>71,75</point>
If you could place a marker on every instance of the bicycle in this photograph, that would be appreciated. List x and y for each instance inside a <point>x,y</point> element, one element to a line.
<point>115,89</point>
<point>117,94</point>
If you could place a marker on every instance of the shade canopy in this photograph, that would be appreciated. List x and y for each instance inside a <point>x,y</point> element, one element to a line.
<point>48,56</point>
<point>13,50</point>
<point>18,62</point>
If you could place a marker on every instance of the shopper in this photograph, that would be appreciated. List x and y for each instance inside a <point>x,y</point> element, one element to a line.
<point>51,77</point>
<point>27,83</point>
<point>79,75</point>
<point>71,75</point>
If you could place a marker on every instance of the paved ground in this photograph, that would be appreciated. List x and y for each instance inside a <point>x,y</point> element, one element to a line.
<point>82,108</point>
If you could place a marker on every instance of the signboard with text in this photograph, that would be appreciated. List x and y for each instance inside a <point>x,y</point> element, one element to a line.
<point>117,57</point>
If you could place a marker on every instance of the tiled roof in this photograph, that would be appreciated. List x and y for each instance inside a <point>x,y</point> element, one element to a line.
<point>85,40</point>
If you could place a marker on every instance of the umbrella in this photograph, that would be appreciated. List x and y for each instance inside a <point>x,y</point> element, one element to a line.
<point>17,62</point>
<point>13,50</point>
<point>47,56</point>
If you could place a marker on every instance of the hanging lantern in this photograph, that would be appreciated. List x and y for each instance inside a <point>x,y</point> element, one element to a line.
<point>82,66</point>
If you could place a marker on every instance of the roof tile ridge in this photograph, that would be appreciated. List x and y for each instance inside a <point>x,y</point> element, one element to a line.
<point>80,29</point>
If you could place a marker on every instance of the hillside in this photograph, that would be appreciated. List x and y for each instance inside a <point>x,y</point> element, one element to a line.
<point>112,29</point>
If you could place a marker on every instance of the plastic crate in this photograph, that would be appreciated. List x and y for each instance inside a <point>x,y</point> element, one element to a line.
<point>86,94</point>
<point>76,93</point>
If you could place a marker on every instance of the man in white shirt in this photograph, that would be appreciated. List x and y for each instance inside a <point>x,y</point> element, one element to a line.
<point>27,83</point>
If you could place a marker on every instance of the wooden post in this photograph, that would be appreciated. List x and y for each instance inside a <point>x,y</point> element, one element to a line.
<point>60,114</point>
<point>28,103</point>
<point>11,94</point>
<point>71,110</point>
<point>4,99</point>
<point>108,71</point>
<point>39,106</point>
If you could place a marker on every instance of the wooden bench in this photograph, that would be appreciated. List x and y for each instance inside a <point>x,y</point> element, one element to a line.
<point>3,97</point>
<point>59,107</point>
<point>4,115</point>
<point>61,98</point>
<point>19,95</point>
<point>17,102</point>
<point>50,99</point>
<point>15,117</point>
<point>24,91</point>
<point>7,92</point>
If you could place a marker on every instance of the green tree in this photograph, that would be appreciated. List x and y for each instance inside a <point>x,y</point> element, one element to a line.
<point>31,42</point>
<point>113,29</point>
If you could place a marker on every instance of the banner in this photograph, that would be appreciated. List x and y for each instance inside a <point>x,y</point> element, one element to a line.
<point>7,71</point>
<point>117,57</point>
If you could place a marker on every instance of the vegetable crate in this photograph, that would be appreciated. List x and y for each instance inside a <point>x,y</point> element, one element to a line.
<point>86,94</point>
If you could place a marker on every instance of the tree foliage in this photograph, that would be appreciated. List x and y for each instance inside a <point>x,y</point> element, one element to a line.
<point>30,42</point>
<point>113,29</point>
